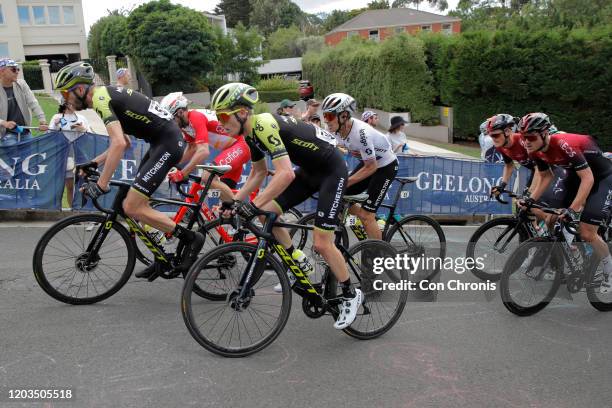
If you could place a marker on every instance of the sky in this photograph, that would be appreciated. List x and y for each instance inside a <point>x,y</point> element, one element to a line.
<point>94,9</point>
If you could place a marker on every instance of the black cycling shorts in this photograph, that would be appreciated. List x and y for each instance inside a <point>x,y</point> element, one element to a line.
<point>330,184</point>
<point>562,190</point>
<point>376,185</point>
<point>165,152</point>
<point>599,202</point>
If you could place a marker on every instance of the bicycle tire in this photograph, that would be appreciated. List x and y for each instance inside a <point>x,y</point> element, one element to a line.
<point>540,246</point>
<point>189,314</point>
<point>300,237</point>
<point>43,249</point>
<point>399,238</point>
<point>366,328</point>
<point>509,222</point>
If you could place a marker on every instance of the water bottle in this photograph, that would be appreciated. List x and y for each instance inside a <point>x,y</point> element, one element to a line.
<point>155,235</point>
<point>381,223</point>
<point>405,148</point>
<point>303,262</point>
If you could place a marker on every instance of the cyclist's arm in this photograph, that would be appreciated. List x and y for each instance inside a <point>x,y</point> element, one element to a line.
<point>259,172</point>
<point>546,177</point>
<point>507,174</point>
<point>369,168</point>
<point>537,179</point>
<point>197,154</point>
<point>586,184</point>
<point>114,153</point>
<point>283,176</point>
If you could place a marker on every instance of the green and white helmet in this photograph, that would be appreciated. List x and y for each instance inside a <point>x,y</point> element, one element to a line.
<point>76,73</point>
<point>234,94</point>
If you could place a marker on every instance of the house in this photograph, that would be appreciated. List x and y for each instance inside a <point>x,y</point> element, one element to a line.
<point>287,67</point>
<point>380,24</point>
<point>51,29</point>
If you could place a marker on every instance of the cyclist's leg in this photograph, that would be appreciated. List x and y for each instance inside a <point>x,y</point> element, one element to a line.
<point>598,205</point>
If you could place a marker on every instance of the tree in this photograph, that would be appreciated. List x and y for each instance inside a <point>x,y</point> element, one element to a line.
<point>241,50</point>
<point>439,4</point>
<point>235,11</point>
<point>283,43</point>
<point>172,45</point>
<point>270,15</point>
<point>339,17</point>
<point>108,35</point>
<point>378,5</point>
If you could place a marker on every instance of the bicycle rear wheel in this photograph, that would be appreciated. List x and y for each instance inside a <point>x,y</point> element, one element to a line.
<point>65,271</point>
<point>418,235</point>
<point>529,281</point>
<point>381,307</point>
<point>226,328</point>
<point>493,242</point>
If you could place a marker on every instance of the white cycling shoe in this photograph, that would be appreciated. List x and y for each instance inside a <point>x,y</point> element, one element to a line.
<point>348,310</point>
<point>606,284</point>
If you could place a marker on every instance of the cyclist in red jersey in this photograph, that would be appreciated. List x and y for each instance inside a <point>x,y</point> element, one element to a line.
<point>201,130</point>
<point>581,155</point>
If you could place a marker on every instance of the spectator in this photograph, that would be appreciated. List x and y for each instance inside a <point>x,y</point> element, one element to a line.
<point>315,120</point>
<point>287,107</point>
<point>16,103</point>
<point>73,125</point>
<point>312,106</point>
<point>123,77</point>
<point>396,135</point>
<point>371,118</point>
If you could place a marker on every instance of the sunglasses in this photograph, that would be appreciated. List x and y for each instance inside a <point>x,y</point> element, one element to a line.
<point>14,69</point>
<point>224,117</point>
<point>530,138</point>
<point>329,116</point>
<point>496,135</point>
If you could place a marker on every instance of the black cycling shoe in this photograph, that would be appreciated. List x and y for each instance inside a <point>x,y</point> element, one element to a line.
<point>192,250</point>
<point>146,272</point>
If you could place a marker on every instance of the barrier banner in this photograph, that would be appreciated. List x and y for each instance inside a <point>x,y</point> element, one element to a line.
<point>32,175</point>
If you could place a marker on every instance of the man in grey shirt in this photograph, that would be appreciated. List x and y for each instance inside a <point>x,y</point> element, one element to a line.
<point>16,100</point>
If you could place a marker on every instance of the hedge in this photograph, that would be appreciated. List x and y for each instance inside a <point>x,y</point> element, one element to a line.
<point>277,96</point>
<point>563,73</point>
<point>32,74</point>
<point>391,75</point>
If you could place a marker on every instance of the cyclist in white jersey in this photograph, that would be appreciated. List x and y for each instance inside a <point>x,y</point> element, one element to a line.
<point>378,164</point>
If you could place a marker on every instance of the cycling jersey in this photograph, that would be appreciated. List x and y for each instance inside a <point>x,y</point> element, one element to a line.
<point>516,152</point>
<point>321,167</point>
<point>367,143</point>
<point>574,152</point>
<point>237,155</point>
<point>139,116</point>
<point>205,128</point>
<point>376,185</point>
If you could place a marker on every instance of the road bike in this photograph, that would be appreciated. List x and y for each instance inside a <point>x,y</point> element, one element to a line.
<point>250,314</point>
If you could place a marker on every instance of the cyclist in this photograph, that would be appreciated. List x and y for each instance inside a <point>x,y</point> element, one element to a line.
<point>580,155</point>
<point>126,111</point>
<point>378,166</point>
<point>501,128</point>
<point>201,130</point>
<point>321,169</point>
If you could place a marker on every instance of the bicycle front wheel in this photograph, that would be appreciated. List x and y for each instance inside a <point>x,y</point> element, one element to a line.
<point>530,279</point>
<point>236,327</point>
<point>67,272</point>
<point>492,243</point>
<point>382,306</point>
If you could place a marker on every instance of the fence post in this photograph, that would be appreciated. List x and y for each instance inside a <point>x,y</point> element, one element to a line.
<point>132,70</point>
<point>112,69</point>
<point>46,75</point>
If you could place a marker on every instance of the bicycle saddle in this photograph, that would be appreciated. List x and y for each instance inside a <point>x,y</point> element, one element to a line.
<point>406,180</point>
<point>211,168</point>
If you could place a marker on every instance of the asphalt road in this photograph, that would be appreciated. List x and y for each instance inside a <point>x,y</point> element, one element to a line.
<point>133,350</point>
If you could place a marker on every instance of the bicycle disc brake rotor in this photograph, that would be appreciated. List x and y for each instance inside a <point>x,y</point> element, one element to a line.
<point>84,264</point>
<point>237,303</point>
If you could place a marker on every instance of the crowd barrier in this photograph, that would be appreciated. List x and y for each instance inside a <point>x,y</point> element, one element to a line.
<point>32,176</point>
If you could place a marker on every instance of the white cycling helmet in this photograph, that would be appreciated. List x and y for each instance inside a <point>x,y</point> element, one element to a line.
<point>174,101</point>
<point>338,103</point>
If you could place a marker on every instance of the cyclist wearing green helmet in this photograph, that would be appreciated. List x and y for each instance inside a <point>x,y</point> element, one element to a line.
<point>125,111</point>
<point>321,169</point>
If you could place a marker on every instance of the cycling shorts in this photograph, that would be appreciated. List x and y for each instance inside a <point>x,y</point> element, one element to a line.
<point>561,190</point>
<point>599,202</point>
<point>164,153</point>
<point>237,155</point>
<point>376,185</point>
<point>329,183</point>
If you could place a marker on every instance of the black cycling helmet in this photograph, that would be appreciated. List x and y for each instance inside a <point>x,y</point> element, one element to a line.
<point>500,122</point>
<point>534,122</point>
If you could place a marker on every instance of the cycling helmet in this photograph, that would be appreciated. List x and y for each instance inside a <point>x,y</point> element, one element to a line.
<point>534,122</point>
<point>500,121</point>
<point>338,103</point>
<point>174,101</point>
<point>483,127</point>
<point>234,94</point>
<point>74,74</point>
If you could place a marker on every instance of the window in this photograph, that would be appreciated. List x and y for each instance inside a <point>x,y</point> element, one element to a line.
<point>4,50</point>
<point>447,28</point>
<point>68,14</point>
<point>39,15</point>
<point>353,34</point>
<point>399,30</point>
<point>1,15</point>
<point>24,15</point>
<point>54,14</point>
<point>425,28</point>
<point>374,35</point>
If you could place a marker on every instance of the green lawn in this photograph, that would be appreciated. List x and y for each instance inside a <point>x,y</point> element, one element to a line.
<point>49,106</point>
<point>468,150</point>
